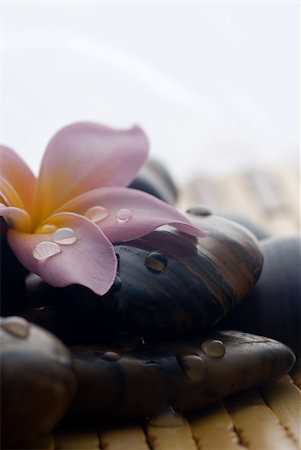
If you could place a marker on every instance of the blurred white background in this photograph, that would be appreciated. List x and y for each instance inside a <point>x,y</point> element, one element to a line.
<point>215,85</point>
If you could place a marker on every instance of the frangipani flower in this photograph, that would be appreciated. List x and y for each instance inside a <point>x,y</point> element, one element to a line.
<point>63,224</point>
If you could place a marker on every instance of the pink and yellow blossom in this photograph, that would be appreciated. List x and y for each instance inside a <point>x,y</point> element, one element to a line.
<point>63,224</point>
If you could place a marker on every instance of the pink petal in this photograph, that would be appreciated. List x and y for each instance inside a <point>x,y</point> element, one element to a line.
<point>9,195</point>
<point>145,212</point>
<point>18,218</point>
<point>15,173</point>
<point>89,261</point>
<point>86,156</point>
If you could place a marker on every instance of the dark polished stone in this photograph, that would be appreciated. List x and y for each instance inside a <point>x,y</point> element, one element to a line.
<point>143,380</point>
<point>273,306</point>
<point>155,179</point>
<point>12,277</point>
<point>37,382</point>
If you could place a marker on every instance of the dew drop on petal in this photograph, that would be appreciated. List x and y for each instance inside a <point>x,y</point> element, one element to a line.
<point>64,236</point>
<point>45,249</point>
<point>123,215</point>
<point>214,348</point>
<point>47,228</point>
<point>96,213</point>
<point>156,261</point>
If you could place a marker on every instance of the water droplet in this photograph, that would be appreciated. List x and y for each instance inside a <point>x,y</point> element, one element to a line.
<point>193,365</point>
<point>111,356</point>
<point>45,250</point>
<point>96,213</point>
<point>47,228</point>
<point>142,340</point>
<point>64,236</point>
<point>214,348</point>
<point>200,210</point>
<point>156,261</point>
<point>123,215</point>
<point>167,418</point>
<point>16,326</point>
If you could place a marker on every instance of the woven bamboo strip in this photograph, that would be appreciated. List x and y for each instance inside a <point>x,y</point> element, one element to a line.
<point>270,198</point>
<point>212,429</point>
<point>171,438</point>
<point>129,437</point>
<point>76,439</point>
<point>256,424</point>
<point>284,398</point>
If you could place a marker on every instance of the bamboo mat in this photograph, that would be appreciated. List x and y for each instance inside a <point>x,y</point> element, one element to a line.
<point>268,418</point>
<point>270,198</point>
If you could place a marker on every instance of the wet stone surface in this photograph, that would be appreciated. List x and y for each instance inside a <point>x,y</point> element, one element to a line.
<point>145,379</point>
<point>168,285</point>
<point>37,382</point>
<point>273,306</point>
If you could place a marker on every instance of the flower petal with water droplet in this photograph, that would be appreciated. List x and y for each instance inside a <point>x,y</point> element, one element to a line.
<point>90,261</point>
<point>86,156</point>
<point>96,213</point>
<point>45,249</point>
<point>46,228</point>
<point>123,215</point>
<point>146,213</point>
<point>64,236</point>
